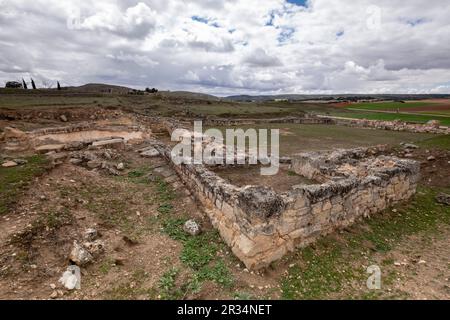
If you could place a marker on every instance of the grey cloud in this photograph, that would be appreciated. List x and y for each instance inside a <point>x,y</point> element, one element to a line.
<point>155,43</point>
<point>260,58</point>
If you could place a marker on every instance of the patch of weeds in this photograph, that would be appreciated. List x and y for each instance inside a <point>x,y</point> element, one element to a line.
<point>291,173</point>
<point>200,250</point>
<point>51,220</point>
<point>132,289</point>
<point>218,273</point>
<point>173,227</point>
<point>439,142</point>
<point>164,196</point>
<point>106,266</point>
<point>387,262</point>
<point>137,173</point>
<point>243,296</point>
<point>136,176</point>
<point>198,254</point>
<point>57,219</point>
<point>165,208</point>
<point>121,292</point>
<point>15,179</point>
<point>194,285</point>
<point>164,191</point>
<point>322,272</point>
<point>167,285</point>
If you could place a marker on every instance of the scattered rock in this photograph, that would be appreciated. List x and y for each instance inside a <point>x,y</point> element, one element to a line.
<point>91,234</point>
<point>49,148</point>
<point>443,198</point>
<point>95,248</point>
<point>63,118</point>
<point>20,161</point>
<point>54,295</point>
<point>164,171</point>
<point>113,171</point>
<point>434,123</point>
<point>191,227</point>
<point>13,133</point>
<point>9,164</point>
<point>71,278</point>
<point>120,166</point>
<point>431,158</point>
<point>119,261</point>
<point>53,286</point>
<point>150,153</point>
<point>410,146</point>
<point>79,255</point>
<point>93,164</point>
<point>75,161</point>
<point>112,143</point>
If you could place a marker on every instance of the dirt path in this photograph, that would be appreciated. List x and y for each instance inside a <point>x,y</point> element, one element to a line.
<point>424,270</point>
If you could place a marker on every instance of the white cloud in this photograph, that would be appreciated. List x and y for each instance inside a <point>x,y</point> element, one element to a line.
<point>228,47</point>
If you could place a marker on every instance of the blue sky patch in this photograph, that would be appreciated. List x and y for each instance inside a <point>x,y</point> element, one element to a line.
<point>285,34</point>
<point>200,19</point>
<point>301,3</point>
<point>415,22</point>
<point>271,18</point>
<point>205,21</point>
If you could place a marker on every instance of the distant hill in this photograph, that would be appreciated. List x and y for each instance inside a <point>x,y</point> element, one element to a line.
<point>189,95</point>
<point>304,97</point>
<point>99,88</point>
<point>106,88</point>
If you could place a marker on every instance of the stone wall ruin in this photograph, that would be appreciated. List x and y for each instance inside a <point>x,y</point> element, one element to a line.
<point>261,226</point>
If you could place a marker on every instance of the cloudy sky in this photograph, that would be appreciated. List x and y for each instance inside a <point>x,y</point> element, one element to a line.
<point>231,47</point>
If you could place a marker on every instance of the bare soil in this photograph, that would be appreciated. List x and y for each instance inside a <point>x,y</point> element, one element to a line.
<point>251,175</point>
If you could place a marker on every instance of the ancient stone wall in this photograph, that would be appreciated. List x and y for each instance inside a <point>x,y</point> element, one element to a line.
<point>295,120</point>
<point>430,127</point>
<point>261,226</point>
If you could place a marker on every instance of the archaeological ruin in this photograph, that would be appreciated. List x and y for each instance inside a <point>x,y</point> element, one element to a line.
<point>259,224</point>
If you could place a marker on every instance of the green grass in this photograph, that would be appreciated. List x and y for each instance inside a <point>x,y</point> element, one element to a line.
<point>15,179</point>
<point>390,106</point>
<point>390,116</point>
<point>439,142</point>
<point>173,227</point>
<point>167,285</point>
<point>199,255</point>
<point>330,267</point>
<point>295,138</point>
<point>198,251</point>
<point>26,101</point>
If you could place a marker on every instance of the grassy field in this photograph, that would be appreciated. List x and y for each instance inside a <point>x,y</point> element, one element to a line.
<point>390,116</point>
<point>296,138</point>
<point>390,106</point>
<point>13,180</point>
<point>439,142</point>
<point>411,111</point>
<point>27,101</point>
